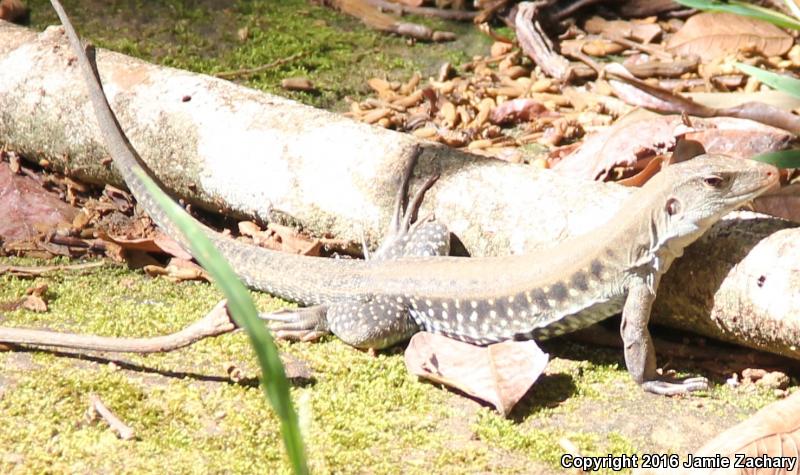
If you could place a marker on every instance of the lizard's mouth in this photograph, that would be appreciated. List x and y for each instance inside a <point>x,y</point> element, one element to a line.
<point>769,181</point>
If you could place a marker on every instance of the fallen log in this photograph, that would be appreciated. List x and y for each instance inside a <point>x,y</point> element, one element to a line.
<point>222,146</point>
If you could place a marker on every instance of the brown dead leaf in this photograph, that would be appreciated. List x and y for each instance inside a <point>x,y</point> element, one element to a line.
<point>178,270</point>
<point>499,374</point>
<point>628,141</point>
<point>14,11</point>
<point>712,35</point>
<point>27,209</point>
<point>643,32</point>
<point>158,243</point>
<point>519,110</point>
<point>33,300</point>
<point>639,93</point>
<point>784,203</point>
<point>740,138</point>
<point>652,167</point>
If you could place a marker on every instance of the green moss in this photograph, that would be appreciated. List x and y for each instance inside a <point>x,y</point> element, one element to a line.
<point>360,412</point>
<point>338,53</point>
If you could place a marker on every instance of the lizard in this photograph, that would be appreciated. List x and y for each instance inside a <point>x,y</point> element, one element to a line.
<point>410,285</point>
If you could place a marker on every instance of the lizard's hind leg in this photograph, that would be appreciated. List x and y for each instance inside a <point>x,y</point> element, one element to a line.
<point>373,321</point>
<point>376,323</point>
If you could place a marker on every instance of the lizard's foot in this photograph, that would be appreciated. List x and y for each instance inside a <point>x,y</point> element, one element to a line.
<point>300,324</point>
<point>674,388</point>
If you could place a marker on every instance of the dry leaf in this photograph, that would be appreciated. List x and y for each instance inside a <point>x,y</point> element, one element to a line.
<point>784,203</point>
<point>634,139</point>
<point>499,374</point>
<point>519,110</point>
<point>159,243</point>
<point>14,11</point>
<point>642,32</point>
<point>712,35</point>
<point>28,209</point>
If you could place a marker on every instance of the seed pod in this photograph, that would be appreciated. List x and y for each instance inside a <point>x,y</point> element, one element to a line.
<point>410,85</point>
<point>448,113</point>
<point>479,144</point>
<point>375,115</point>
<point>515,72</point>
<point>541,85</point>
<point>484,109</point>
<point>425,132</point>
<point>410,100</point>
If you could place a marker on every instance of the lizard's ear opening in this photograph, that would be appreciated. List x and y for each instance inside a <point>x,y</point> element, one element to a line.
<point>673,206</point>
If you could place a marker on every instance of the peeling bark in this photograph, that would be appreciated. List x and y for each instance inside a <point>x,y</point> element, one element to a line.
<point>220,145</point>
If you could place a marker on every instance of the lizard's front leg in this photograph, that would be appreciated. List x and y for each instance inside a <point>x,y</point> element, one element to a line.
<point>640,355</point>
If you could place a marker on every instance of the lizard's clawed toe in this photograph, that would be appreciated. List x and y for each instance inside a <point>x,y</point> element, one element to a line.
<point>301,324</point>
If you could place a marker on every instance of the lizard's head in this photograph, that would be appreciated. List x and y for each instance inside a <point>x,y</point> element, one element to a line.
<point>696,193</point>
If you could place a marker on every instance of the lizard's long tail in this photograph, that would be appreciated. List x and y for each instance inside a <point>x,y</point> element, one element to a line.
<point>303,279</point>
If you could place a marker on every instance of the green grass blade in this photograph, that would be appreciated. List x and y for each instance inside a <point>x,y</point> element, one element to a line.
<point>744,9</point>
<point>781,159</point>
<point>780,82</point>
<point>273,380</point>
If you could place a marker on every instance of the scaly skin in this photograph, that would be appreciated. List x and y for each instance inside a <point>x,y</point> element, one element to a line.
<point>407,287</point>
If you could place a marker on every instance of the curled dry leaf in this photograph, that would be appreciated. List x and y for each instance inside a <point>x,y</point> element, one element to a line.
<point>28,209</point>
<point>499,374</point>
<point>642,136</point>
<point>639,31</point>
<point>784,203</point>
<point>712,35</point>
<point>639,93</point>
<point>519,110</point>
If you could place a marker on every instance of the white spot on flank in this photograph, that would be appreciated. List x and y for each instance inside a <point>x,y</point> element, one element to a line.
<point>473,317</point>
<point>492,314</point>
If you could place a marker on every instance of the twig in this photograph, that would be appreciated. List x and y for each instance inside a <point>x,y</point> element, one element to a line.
<point>536,44</point>
<point>397,9</point>
<point>35,271</point>
<point>616,38</point>
<point>216,322</point>
<point>258,69</point>
<point>124,431</point>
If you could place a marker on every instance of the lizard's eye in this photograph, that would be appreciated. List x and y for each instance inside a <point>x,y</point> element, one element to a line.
<point>713,181</point>
<point>673,206</point>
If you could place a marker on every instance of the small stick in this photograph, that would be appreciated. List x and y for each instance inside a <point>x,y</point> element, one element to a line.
<point>616,38</point>
<point>216,322</point>
<point>124,431</point>
<point>258,69</point>
<point>35,271</point>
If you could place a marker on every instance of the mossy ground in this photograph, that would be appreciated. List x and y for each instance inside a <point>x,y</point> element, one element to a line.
<point>361,414</point>
<point>338,53</point>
